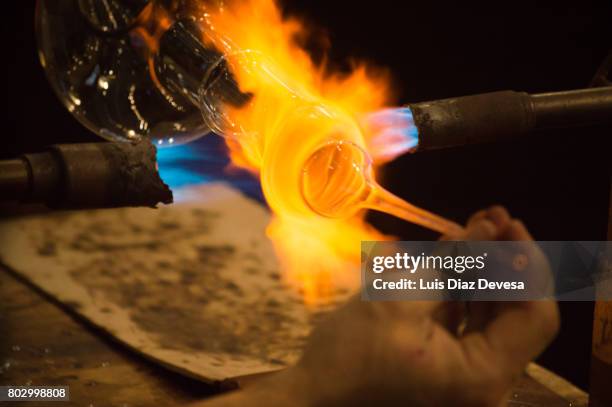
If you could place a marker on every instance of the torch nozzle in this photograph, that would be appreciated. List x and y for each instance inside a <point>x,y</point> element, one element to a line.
<point>87,175</point>
<point>506,115</point>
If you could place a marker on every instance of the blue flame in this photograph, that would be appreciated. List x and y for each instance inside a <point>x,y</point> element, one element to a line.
<point>179,165</point>
<point>392,133</point>
<point>199,162</point>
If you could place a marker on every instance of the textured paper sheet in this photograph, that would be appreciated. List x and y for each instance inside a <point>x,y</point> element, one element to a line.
<point>194,286</point>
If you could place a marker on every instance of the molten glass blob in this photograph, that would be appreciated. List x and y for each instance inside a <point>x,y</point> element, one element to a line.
<point>338,181</point>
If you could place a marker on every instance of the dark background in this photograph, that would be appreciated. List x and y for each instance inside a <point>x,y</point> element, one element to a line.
<point>558,183</point>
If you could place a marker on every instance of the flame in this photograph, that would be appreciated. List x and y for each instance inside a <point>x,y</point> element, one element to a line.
<point>297,107</point>
<point>150,25</point>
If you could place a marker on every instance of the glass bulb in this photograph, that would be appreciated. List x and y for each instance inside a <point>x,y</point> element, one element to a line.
<point>117,68</point>
<point>337,181</point>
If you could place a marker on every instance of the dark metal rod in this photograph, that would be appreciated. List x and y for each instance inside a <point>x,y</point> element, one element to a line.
<point>88,175</point>
<point>504,115</point>
<point>14,179</point>
<point>572,108</point>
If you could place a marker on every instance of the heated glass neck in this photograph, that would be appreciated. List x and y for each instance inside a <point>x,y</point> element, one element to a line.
<point>382,200</point>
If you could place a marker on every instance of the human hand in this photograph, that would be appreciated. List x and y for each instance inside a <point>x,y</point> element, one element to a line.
<point>409,353</point>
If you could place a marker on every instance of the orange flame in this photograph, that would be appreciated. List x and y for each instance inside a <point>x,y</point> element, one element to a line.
<point>296,108</point>
<point>150,25</point>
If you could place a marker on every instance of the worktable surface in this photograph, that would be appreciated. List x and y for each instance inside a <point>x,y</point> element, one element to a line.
<point>42,344</point>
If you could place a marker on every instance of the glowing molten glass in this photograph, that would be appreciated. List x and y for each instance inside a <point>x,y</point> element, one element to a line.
<point>337,181</point>
<point>296,110</point>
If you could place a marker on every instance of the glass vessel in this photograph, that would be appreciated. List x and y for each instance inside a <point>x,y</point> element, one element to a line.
<point>126,69</point>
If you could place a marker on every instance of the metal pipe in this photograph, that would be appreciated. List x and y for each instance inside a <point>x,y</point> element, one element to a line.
<point>572,108</point>
<point>14,178</point>
<point>88,175</point>
<point>506,115</point>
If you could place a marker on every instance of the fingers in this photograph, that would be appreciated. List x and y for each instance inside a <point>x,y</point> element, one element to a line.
<point>499,216</point>
<point>510,333</point>
<point>481,214</point>
<point>492,224</point>
<point>517,332</point>
<point>485,316</point>
<point>515,230</point>
<point>485,224</point>
<point>479,227</point>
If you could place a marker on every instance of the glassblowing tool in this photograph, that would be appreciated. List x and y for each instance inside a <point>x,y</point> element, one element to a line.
<point>86,175</point>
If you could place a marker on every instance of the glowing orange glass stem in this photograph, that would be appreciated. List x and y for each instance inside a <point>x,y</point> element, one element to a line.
<point>382,200</point>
